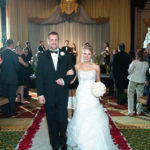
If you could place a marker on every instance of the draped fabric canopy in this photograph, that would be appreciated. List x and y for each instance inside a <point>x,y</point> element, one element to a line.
<point>18,13</point>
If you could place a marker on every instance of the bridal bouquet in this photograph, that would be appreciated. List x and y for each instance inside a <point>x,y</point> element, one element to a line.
<point>98,89</point>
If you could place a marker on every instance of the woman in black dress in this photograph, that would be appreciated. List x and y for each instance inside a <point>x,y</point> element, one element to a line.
<point>73,86</point>
<point>22,75</point>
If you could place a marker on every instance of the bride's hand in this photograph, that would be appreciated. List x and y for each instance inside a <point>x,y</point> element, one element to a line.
<point>70,72</point>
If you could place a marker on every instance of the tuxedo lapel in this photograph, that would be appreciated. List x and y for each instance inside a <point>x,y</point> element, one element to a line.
<point>59,60</point>
<point>48,54</point>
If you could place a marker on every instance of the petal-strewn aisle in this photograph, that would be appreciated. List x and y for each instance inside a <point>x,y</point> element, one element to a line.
<point>36,137</point>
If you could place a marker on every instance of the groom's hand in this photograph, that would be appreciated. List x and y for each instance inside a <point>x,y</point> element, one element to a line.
<point>41,99</point>
<point>60,81</point>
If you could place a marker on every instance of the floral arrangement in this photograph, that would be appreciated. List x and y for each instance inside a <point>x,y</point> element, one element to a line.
<point>98,89</point>
<point>99,57</point>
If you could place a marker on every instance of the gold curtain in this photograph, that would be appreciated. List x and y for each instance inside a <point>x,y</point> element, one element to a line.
<point>0,29</point>
<point>118,12</point>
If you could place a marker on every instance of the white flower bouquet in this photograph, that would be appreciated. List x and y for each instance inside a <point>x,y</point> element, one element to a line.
<point>98,89</point>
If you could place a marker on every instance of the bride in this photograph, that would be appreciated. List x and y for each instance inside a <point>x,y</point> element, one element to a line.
<point>89,128</point>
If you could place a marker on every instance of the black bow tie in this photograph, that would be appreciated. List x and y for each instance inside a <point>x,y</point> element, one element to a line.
<point>56,52</point>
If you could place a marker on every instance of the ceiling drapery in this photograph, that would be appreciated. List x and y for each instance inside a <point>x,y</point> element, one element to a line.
<point>82,17</point>
<point>118,11</point>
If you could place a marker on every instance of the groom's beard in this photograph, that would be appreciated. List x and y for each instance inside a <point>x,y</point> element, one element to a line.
<point>53,47</point>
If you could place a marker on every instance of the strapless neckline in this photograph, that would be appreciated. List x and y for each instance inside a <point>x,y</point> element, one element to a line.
<point>86,71</point>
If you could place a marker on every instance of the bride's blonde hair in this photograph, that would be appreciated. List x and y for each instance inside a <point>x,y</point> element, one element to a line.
<point>89,47</point>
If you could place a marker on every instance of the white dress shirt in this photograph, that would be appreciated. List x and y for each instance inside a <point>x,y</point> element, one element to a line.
<point>55,58</point>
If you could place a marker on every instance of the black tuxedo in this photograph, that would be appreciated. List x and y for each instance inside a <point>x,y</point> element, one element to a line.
<point>66,48</point>
<point>9,79</point>
<point>56,96</point>
<point>40,49</point>
<point>119,71</point>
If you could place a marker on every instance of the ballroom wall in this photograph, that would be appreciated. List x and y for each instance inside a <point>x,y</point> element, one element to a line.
<point>118,11</point>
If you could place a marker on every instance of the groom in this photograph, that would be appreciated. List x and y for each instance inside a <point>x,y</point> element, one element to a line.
<point>52,88</point>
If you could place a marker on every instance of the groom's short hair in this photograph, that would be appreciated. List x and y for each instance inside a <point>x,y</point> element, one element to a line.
<point>53,33</point>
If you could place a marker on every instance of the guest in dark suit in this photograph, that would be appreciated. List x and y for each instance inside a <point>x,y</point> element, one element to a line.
<point>41,47</point>
<point>9,78</point>
<point>66,47</point>
<point>52,87</point>
<point>28,47</point>
<point>147,87</point>
<point>120,65</point>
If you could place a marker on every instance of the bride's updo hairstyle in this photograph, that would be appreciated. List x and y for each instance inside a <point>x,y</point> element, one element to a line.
<point>88,47</point>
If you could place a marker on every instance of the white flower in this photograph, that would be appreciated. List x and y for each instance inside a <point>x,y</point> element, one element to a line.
<point>98,89</point>
<point>62,53</point>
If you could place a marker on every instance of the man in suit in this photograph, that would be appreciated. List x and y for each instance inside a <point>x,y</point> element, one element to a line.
<point>66,47</point>
<point>41,47</point>
<point>9,78</point>
<point>147,87</point>
<point>52,87</point>
<point>120,65</point>
<point>28,47</point>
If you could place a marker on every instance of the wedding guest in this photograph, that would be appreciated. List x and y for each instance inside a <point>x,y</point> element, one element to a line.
<point>41,47</point>
<point>28,47</point>
<point>137,78</point>
<point>22,75</point>
<point>147,87</point>
<point>74,53</point>
<point>18,44</point>
<point>9,77</point>
<point>66,47</point>
<point>107,56</point>
<point>72,86</point>
<point>120,65</point>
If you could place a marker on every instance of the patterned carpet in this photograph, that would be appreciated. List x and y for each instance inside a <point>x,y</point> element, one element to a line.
<point>135,129</point>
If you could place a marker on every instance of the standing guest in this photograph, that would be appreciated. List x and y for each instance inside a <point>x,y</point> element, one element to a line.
<point>22,75</point>
<point>28,47</point>
<point>107,56</point>
<point>9,77</point>
<point>66,47</point>
<point>147,87</point>
<point>41,47</point>
<point>18,44</point>
<point>29,72</point>
<point>74,53</point>
<point>111,82</point>
<point>72,86</point>
<point>137,71</point>
<point>120,65</point>
<point>52,88</point>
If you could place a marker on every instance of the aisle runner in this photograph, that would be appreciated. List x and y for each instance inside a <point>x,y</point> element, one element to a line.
<point>35,139</point>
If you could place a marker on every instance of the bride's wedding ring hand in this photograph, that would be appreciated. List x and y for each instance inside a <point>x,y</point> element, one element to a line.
<point>70,72</point>
<point>41,99</point>
<point>60,81</point>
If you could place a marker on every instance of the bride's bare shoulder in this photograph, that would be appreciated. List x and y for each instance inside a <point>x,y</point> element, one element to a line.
<point>77,66</point>
<point>95,66</point>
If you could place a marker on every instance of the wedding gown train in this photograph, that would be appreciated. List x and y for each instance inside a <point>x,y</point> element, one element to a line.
<point>89,128</point>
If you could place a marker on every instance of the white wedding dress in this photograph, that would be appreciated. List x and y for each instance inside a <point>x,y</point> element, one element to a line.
<point>89,128</point>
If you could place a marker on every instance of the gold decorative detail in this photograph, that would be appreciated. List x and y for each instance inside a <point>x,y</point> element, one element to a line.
<point>68,7</point>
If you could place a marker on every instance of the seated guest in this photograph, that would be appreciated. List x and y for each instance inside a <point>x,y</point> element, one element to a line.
<point>137,78</point>
<point>9,77</point>
<point>120,65</point>
<point>28,47</point>
<point>22,75</point>
<point>41,47</point>
<point>66,47</point>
